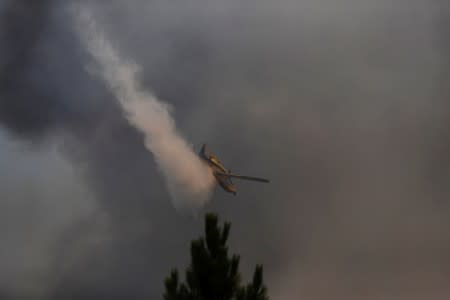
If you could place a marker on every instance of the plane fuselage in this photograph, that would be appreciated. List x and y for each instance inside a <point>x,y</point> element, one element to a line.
<point>219,171</point>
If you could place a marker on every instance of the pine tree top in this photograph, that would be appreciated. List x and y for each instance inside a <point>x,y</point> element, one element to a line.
<point>213,274</point>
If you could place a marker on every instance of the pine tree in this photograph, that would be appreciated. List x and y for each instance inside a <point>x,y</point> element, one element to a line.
<point>213,274</point>
<point>254,290</point>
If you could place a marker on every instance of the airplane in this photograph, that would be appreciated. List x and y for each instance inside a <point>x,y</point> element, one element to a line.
<point>223,175</point>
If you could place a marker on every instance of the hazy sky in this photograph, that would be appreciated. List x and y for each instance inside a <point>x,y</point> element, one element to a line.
<point>344,105</point>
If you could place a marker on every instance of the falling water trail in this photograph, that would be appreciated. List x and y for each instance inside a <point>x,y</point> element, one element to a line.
<point>189,180</point>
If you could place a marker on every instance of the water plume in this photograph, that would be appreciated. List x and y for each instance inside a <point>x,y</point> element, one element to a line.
<point>189,180</point>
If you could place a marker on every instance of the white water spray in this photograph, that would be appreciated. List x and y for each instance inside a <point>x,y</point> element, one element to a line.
<point>189,180</point>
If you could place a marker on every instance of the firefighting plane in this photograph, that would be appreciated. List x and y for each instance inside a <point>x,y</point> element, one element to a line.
<point>223,175</point>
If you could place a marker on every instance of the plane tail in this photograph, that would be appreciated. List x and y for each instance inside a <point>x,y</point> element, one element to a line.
<point>203,151</point>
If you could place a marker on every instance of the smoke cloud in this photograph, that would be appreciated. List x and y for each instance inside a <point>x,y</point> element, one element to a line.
<point>189,180</point>
<point>343,104</point>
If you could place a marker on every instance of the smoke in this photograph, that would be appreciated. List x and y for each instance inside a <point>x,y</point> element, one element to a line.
<point>344,105</point>
<point>189,180</point>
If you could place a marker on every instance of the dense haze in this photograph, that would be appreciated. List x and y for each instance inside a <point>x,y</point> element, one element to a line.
<point>344,105</point>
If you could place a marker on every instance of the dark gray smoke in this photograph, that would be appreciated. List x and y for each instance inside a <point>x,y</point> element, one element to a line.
<point>344,105</point>
<point>22,25</point>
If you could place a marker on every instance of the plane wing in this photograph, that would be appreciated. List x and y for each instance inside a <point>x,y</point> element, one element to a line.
<point>244,177</point>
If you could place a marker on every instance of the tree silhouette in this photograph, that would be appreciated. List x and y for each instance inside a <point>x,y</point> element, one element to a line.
<point>212,273</point>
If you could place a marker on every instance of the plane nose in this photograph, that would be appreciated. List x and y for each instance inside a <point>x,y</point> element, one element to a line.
<point>233,190</point>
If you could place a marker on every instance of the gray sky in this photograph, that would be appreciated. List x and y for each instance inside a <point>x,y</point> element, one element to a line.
<point>343,104</point>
